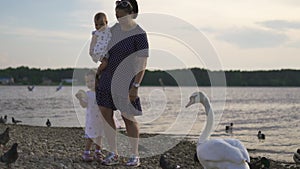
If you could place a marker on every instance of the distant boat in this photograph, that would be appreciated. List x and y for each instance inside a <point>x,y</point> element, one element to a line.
<point>30,88</point>
<point>59,86</point>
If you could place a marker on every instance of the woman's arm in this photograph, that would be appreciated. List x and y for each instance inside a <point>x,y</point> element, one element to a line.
<point>141,63</point>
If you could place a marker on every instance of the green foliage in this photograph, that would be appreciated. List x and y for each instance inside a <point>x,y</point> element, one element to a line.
<point>33,76</point>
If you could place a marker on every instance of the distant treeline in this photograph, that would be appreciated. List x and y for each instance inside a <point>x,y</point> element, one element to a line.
<point>33,76</point>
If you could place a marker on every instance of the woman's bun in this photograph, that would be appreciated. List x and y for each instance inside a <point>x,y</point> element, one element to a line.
<point>135,7</point>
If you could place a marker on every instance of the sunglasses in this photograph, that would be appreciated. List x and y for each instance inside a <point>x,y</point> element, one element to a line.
<point>123,4</point>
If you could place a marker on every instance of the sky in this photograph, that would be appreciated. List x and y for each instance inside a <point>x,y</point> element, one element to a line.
<point>245,34</point>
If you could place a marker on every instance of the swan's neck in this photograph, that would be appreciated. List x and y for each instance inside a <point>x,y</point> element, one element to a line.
<point>209,123</point>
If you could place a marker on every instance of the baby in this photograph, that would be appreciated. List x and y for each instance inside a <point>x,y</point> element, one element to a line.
<point>100,39</point>
<point>93,123</point>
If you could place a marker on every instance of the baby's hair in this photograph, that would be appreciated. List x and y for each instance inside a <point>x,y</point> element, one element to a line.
<point>99,15</point>
<point>91,72</point>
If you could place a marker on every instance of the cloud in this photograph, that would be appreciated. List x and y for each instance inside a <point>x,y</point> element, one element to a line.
<point>41,33</point>
<point>253,38</point>
<point>294,44</point>
<point>293,3</point>
<point>280,24</point>
<point>4,59</point>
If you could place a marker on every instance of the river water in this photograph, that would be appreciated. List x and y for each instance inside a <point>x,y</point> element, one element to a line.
<point>274,111</point>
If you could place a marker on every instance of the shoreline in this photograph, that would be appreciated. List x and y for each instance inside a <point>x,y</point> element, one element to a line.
<point>62,147</point>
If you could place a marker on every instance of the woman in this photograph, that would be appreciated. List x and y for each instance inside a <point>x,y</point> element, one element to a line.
<point>118,84</point>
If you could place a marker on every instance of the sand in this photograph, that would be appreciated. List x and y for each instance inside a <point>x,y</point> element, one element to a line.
<point>60,148</point>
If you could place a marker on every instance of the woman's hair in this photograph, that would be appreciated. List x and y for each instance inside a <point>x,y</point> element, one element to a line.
<point>135,7</point>
<point>132,8</point>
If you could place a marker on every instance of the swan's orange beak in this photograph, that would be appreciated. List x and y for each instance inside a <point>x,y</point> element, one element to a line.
<point>192,101</point>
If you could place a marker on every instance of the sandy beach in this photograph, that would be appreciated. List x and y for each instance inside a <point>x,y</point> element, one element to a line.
<point>60,148</point>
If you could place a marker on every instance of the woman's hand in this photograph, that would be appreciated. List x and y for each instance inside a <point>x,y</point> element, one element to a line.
<point>133,93</point>
<point>98,74</point>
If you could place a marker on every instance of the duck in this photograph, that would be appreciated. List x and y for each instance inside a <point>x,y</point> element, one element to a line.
<point>15,121</point>
<point>296,156</point>
<point>228,129</point>
<point>4,137</point>
<point>48,123</point>
<point>217,153</point>
<point>260,136</point>
<point>30,88</point>
<point>261,163</point>
<point>10,156</point>
<point>3,120</point>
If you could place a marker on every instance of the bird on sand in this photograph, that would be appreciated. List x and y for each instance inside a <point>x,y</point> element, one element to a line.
<point>30,88</point>
<point>164,164</point>
<point>296,156</point>
<point>4,137</point>
<point>265,163</point>
<point>15,121</point>
<point>217,153</point>
<point>262,163</point>
<point>10,156</point>
<point>48,123</point>
<point>3,120</point>
<point>196,158</point>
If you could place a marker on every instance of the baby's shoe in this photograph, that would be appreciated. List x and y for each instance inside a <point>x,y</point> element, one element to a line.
<point>99,156</point>
<point>87,157</point>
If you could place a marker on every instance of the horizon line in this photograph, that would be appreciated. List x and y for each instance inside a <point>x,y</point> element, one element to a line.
<point>224,70</point>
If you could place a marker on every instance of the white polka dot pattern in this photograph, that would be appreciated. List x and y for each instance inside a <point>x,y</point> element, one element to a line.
<point>123,45</point>
<point>99,51</point>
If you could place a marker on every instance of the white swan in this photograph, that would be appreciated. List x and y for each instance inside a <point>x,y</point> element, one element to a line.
<point>217,153</point>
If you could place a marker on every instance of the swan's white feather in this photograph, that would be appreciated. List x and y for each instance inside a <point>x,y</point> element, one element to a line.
<point>236,143</point>
<point>218,153</point>
<point>220,150</point>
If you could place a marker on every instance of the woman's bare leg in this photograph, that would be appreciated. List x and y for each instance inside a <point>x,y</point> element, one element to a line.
<point>132,129</point>
<point>109,128</point>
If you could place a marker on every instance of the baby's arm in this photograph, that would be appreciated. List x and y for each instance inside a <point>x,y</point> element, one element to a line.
<point>81,96</point>
<point>92,45</point>
<point>82,103</point>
